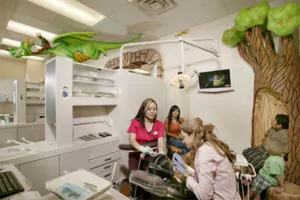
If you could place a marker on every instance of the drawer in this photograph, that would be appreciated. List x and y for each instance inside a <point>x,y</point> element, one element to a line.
<point>102,160</point>
<point>105,171</point>
<point>103,149</point>
<point>107,168</point>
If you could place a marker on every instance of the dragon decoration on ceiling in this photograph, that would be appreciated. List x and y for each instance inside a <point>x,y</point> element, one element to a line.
<point>75,45</point>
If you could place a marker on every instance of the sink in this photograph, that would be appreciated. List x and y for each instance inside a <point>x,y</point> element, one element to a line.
<point>7,153</point>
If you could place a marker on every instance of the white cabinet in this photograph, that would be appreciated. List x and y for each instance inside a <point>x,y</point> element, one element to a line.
<point>99,160</point>
<point>7,134</point>
<point>73,161</point>
<point>35,93</point>
<point>94,85</point>
<point>32,133</point>
<point>40,171</point>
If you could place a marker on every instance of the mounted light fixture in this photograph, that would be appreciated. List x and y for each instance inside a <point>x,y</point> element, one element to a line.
<point>140,71</point>
<point>28,30</point>
<point>72,9</point>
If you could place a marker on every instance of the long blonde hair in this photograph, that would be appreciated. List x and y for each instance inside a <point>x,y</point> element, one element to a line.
<point>204,133</point>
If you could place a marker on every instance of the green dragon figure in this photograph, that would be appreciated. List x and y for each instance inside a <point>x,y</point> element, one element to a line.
<point>75,45</point>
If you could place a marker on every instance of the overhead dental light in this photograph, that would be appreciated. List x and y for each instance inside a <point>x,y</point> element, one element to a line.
<point>73,10</point>
<point>182,79</point>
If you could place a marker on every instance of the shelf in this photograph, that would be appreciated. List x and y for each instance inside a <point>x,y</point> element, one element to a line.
<point>90,101</point>
<point>100,78</point>
<point>29,101</point>
<point>35,83</point>
<point>6,102</point>
<point>93,67</point>
<point>89,82</point>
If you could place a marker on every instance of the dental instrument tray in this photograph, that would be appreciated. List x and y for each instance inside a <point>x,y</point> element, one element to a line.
<point>79,185</point>
<point>9,184</point>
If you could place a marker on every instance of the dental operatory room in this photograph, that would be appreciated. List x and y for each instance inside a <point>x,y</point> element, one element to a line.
<point>149,99</point>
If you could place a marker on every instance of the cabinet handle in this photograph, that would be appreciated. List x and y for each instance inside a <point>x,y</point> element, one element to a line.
<point>107,175</point>
<point>107,159</point>
<point>106,167</point>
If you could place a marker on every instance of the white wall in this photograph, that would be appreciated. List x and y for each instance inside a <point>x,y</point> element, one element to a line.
<point>12,68</point>
<point>230,112</point>
<point>35,71</point>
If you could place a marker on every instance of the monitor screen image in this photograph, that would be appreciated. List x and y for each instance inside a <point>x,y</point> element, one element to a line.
<point>215,79</point>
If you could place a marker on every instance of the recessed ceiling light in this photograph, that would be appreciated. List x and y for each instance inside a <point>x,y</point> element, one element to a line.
<point>72,9</point>
<point>14,43</point>
<point>6,54</point>
<point>28,30</point>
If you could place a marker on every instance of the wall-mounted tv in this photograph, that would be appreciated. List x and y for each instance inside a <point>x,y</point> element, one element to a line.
<point>215,81</point>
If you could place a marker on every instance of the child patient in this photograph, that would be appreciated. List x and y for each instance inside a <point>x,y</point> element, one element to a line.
<point>272,173</point>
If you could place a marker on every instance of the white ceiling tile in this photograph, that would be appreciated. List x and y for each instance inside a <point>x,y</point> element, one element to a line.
<point>237,5</point>
<point>176,16</point>
<point>205,10</point>
<point>32,10</point>
<point>35,22</point>
<point>110,26</point>
<point>130,15</point>
<point>6,14</point>
<point>106,7</point>
<point>9,3</point>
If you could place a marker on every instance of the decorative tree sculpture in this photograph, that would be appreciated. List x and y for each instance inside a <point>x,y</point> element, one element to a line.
<point>277,71</point>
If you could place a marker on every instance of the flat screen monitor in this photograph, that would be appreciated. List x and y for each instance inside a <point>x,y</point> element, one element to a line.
<point>215,81</point>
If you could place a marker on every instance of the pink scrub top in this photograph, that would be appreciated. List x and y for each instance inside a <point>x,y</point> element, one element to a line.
<point>204,184</point>
<point>142,135</point>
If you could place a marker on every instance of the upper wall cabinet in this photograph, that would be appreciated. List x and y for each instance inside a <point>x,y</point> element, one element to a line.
<point>35,93</point>
<point>94,85</point>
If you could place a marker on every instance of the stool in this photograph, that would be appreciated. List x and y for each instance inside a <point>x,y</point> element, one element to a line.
<point>291,192</point>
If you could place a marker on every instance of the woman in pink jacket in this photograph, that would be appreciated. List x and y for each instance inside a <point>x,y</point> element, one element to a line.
<point>213,177</point>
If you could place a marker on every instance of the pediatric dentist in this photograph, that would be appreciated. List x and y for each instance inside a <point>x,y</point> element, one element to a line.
<point>214,176</point>
<point>145,128</point>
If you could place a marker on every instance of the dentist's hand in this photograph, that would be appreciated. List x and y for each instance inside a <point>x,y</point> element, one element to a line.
<point>145,149</point>
<point>181,166</point>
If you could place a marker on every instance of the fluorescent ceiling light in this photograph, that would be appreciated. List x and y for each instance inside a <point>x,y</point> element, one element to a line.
<point>14,43</point>
<point>72,9</point>
<point>28,30</point>
<point>139,71</point>
<point>6,54</point>
<point>37,58</point>
<point>11,43</point>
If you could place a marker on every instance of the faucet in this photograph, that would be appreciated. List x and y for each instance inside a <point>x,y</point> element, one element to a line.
<point>22,145</point>
<point>14,142</point>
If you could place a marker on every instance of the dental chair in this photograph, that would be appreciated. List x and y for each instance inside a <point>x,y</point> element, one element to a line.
<point>160,182</point>
<point>134,155</point>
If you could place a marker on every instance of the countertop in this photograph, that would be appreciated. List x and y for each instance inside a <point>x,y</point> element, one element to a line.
<point>112,195</point>
<point>45,150</point>
<point>16,125</point>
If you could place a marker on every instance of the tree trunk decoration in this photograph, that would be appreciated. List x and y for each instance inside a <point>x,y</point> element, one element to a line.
<point>277,73</point>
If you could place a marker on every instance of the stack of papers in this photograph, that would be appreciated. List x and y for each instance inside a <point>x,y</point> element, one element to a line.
<point>79,185</point>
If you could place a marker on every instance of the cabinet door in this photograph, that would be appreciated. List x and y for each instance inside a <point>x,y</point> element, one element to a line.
<point>32,133</point>
<point>7,134</point>
<point>73,161</point>
<point>41,171</point>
